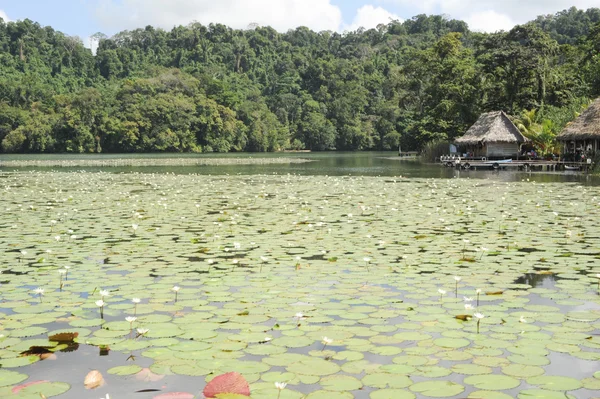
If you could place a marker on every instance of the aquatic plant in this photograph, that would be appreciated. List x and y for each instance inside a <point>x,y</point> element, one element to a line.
<point>100,303</point>
<point>479,317</point>
<point>326,341</point>
<point>456,280</point>
<point>39,292</point>
<point>280,386</point>
<point>135,303</point>
<point>175,289</point>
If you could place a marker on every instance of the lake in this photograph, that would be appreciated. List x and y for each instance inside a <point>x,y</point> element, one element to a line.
<point>321,163</point>
<point>350,276</point>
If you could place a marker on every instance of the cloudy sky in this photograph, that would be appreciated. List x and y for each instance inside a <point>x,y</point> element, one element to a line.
<point>85,17</point>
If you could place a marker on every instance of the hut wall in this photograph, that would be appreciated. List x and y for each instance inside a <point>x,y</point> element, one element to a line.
<point>507,150</point>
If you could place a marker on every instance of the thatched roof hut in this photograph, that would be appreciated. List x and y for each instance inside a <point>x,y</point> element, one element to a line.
<point>493,127</point>
<point>493,135</point>
<point>585,127</point>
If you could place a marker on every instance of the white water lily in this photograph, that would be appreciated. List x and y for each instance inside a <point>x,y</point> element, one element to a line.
<point>280,385</point>
<point>104,293</point>
<point>100,303</point>
<point>522,320</point>
<point>175,288</point>
<point>457,278</point>
<point>62,272</point>
<point>299,315</point>
<point>136,300</point>
<point>130,319</point>
<point>468,306</point>
<point>142,331</point>
<point>466,299</point>
<point>327,341</point>
<point>479,317</point>
<point>442,292</point>
<point>39,291</point>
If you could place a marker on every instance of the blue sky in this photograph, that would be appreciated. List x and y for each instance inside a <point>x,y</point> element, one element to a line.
<point>86,17</point>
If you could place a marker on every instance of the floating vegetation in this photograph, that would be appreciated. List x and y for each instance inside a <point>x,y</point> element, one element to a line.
<point>140,162</point>
<point>297,287</point>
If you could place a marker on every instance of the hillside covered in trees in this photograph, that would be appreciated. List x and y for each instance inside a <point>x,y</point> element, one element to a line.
<point>211,88</point>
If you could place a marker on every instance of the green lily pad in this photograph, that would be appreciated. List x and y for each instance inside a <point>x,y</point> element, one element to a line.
<point>492,382</point>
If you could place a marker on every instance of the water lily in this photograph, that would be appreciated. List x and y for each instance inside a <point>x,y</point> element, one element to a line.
<point>478,292</point>
<point>176,290</point>
<point>39,291</point>
<point>326,341</point>
<point>104,293</point>
<point>299,316</point>
<point>457,280</point>
<point>468,306</point>
<point>367,260</point>
<point>142,331</point>
<point>478,316</point>
<point>281,386</point>
<point>522,320</point>
<point>135,303</point>
<point>100,303</point>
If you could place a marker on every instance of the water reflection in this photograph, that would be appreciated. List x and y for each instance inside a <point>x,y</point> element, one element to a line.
<point>322,163</point>
<point>538,280</point>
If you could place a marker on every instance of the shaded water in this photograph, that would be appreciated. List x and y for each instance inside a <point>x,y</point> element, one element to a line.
<point>322,163</point>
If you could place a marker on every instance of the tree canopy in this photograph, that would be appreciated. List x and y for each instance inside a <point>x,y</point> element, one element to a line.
<point>211,88</point>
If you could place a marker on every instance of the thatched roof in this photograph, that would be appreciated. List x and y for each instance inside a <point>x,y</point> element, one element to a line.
<point>493,127</point>
<point>587,126</point>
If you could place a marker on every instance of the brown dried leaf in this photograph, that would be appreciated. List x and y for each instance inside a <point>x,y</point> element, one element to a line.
<point>63,338</point>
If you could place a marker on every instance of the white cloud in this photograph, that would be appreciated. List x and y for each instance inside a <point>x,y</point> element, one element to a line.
<point>4,16</point>
<point>280,14</point>
<point>369,17</point>
<point>480,11</point>
<point>489,21</point>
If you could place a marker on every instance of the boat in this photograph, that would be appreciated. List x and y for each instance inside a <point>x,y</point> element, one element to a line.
<point>567,167</point>
<point>499,161</point>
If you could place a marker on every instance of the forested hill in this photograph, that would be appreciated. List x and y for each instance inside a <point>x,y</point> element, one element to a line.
<point>211,88</point>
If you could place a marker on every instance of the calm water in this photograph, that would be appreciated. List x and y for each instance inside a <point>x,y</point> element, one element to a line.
<point>322,163</point>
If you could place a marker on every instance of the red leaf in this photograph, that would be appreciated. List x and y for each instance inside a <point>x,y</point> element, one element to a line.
<point>175,395</point>
<point>18,388</point>
<point>227,383</point>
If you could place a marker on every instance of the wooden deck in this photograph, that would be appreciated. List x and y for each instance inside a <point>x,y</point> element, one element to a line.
<point>525,165</point>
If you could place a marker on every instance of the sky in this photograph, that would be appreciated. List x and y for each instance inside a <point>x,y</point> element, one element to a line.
<point>85,17</point>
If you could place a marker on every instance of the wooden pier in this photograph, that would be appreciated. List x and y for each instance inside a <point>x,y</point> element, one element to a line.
<point>524,165</point>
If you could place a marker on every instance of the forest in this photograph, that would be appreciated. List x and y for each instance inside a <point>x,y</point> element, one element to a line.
<point>211,88</point>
